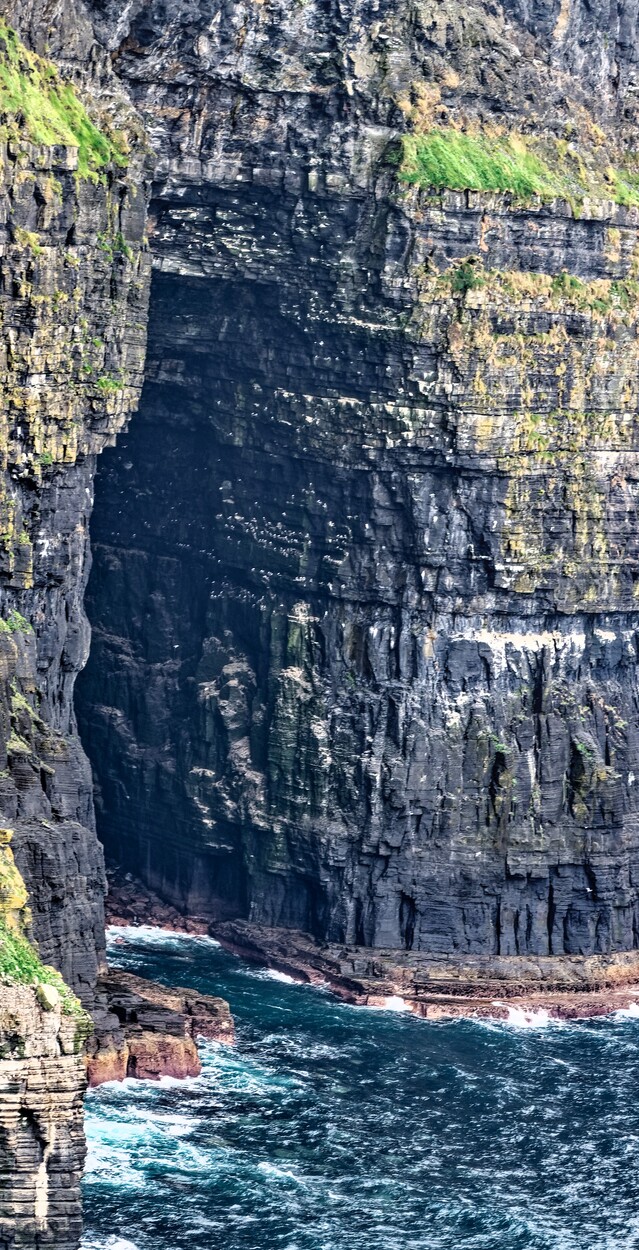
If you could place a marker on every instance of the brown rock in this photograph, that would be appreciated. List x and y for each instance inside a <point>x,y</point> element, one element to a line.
<point>438,987</point>
<point>151,1031</point>
<point>152,1055</point>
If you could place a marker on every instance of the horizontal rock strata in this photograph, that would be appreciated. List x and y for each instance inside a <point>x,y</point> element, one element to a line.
<point>440,987</point>
<point>74,280</point>
<point>153,1030</point>
<point>366,564</point>
<point>42,1083</point>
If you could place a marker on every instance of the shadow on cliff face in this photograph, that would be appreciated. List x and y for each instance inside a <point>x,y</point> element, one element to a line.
<point>314,698</point>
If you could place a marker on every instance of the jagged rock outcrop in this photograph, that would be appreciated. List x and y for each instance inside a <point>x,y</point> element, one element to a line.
<point>158,1030</point>
<point>364,600</point>
<point>444,986</point>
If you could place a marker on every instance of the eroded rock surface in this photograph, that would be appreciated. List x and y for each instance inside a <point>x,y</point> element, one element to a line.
<point>42,1084</point>
<point>74,278</point>
<point>439,987</point>
<point>366,564</point>
<point>154,1030</point>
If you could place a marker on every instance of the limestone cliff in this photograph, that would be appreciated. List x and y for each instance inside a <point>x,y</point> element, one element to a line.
<point>73,297</point>
<point>366,565</point>
<point>43,1028</point>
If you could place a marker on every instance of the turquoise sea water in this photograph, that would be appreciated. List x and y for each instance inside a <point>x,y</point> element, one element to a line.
<point>331,1127</point>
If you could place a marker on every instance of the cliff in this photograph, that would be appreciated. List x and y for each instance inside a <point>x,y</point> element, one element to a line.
<point>365,582</point>
<point>74,278</point>
<point>43,1028</point>
<point>73,294</point>
<point>366,564</point>
<point>42,1082</point>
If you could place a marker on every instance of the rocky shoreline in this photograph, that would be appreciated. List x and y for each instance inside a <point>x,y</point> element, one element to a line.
<point>433,987</point>
<point>150,1031</point>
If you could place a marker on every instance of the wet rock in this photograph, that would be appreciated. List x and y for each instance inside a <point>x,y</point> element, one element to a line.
<point>129,902</point>
<point>152,1030</point>
<point>444,987</point>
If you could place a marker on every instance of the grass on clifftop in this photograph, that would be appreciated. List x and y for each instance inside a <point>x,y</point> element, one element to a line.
<point>46,109</point>
<point>448,158</point>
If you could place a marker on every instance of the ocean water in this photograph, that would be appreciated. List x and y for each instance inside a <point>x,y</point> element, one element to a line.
<point>332,1127</point>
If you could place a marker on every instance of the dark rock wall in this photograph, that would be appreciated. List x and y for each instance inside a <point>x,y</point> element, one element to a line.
<point>74,281</point>
<point>73,293</point>
<point>365,639</point>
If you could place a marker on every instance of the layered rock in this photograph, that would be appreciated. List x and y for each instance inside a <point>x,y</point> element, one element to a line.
<point>43,1029</point>
<point>74,310</point>
<point>74,292</point>
<point>42,1083</point>
<point>365,638</point>
<point>74,276</point>
<point>439,987</point>
<point>156,1030</point>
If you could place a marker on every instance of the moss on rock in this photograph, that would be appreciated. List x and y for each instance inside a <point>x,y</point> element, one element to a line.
<point>20,963</point>
<point>36,99</point>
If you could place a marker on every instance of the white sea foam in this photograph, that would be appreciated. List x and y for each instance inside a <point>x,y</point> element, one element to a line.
<point>153,935</point>
<point>274,975</point>
<point>279,1174</point>
<point>391,1003</point>
<point>249,1164</point>
<point>108,1243</point>
<point>631,1012</point>
<point>519,1018</point>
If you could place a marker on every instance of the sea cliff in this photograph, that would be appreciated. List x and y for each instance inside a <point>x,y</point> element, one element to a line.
<point>365,582</point>
<point>74,278</point>
<point>366,565</point>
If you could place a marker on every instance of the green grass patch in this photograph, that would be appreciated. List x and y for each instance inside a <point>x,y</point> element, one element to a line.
<point>15,623</point>
<point>110,386</point>
<point>20,964</point>
<point>550,169</point>
<point>47,110</point>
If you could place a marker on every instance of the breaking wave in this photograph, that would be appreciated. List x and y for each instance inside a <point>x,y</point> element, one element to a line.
<point>328,1128</point>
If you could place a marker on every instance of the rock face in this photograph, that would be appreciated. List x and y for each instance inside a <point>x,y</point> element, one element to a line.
<point>74,278</point>
<point>366,568</point>
<point>155,1031</point>
<point>42,1083</point>
<point>73,295</point>
<point>365,639</point>
<point>445,986</point>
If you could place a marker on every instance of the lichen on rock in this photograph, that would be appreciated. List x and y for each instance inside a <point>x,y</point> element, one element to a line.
<point>74,277</point>
<point>376,676</point>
